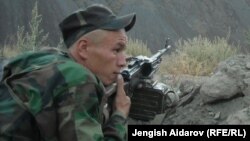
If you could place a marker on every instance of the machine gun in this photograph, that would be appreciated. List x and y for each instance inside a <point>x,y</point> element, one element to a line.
<point>148,97</point>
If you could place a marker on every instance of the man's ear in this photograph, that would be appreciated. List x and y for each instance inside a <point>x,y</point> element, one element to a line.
<point>82,46</point>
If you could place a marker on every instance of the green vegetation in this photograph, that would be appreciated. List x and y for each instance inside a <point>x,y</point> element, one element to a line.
<point>198,56</point>
<point>35,38</point>
<point>29,41</point>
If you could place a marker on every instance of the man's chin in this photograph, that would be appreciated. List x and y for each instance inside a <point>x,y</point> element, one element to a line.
<point>109,82</point>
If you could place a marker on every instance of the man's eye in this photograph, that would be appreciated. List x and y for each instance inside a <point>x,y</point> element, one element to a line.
<point>117,50</point>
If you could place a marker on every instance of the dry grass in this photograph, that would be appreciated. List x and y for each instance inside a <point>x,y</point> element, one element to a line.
<point>247,35</point>
<point>198,56</point>
<point>9,51</point>
<point>136,47</point>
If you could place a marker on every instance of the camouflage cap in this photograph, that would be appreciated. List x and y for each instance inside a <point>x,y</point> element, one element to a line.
<point>94,17</point>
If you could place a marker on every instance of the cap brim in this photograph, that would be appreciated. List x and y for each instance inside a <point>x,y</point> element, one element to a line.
<point>123,22</point>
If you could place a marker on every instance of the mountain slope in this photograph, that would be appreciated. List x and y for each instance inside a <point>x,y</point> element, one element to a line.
<point>156,20</point>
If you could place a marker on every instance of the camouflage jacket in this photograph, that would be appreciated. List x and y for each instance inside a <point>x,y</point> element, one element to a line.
<point>47,96</point>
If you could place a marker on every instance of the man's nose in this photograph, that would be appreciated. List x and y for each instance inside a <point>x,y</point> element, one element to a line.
<point>122,60</point>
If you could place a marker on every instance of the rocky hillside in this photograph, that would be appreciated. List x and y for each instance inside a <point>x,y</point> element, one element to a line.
<point>156,20</point>
<point>222,98</point>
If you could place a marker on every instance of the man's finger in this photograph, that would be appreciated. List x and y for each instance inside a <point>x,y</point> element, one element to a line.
<point>120,84</point>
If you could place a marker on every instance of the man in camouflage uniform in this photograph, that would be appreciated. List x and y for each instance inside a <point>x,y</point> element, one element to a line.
<point>52,95</point>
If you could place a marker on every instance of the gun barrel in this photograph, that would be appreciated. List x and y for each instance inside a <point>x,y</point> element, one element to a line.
<point>160,52</point>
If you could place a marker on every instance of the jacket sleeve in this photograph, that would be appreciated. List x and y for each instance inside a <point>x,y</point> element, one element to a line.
<point>79,117</point>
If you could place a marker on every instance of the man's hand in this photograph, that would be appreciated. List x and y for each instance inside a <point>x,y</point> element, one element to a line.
<point>122,102</point>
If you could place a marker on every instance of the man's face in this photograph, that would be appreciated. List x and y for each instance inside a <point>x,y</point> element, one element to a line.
<point>107,57</point>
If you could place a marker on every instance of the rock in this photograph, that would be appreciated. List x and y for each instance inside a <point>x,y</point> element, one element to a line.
<point>240,117</point>
<point>186,86</point>
<point>217,115</point>
<point>219,87</point>
<point>246,91</point>
<point>231,77</point>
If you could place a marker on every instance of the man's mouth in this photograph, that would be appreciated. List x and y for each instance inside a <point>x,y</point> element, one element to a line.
<point>117,73</point>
